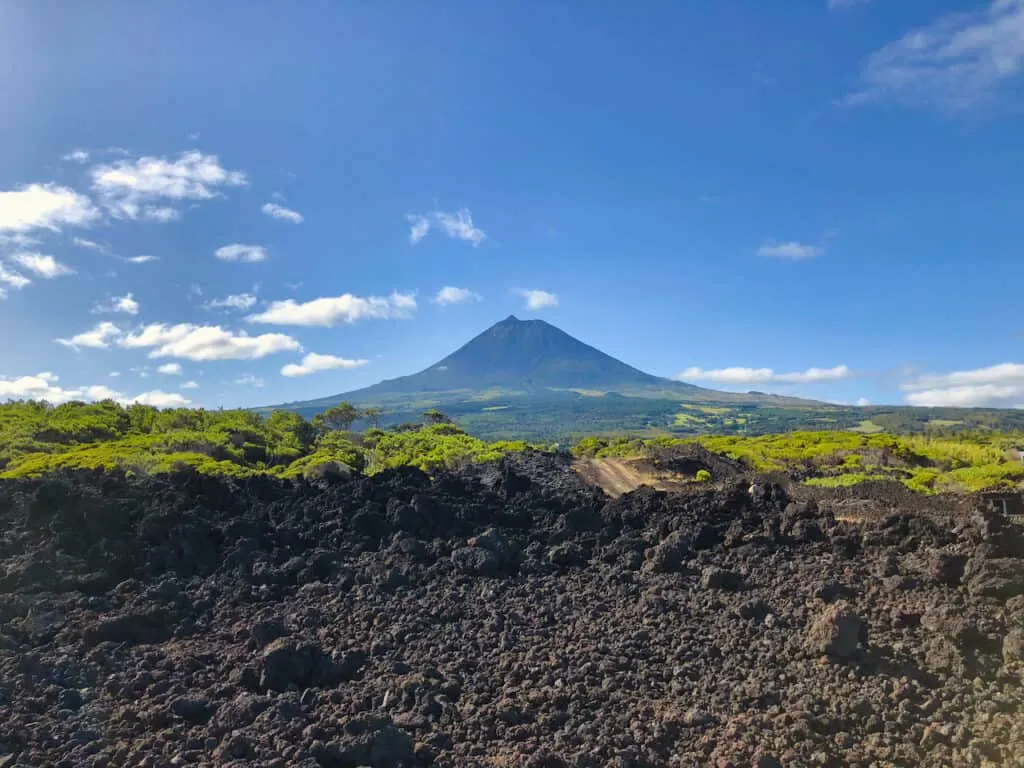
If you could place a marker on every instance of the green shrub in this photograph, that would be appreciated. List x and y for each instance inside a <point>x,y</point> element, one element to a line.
<point>703,476</point>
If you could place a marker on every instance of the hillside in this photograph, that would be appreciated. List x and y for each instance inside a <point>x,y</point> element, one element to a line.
<point>527,379</point>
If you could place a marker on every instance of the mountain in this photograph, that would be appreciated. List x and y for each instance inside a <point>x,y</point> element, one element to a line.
<point>527,356</point>
<point>527,379</point>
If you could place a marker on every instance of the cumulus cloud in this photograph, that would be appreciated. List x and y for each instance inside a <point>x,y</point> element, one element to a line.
<point>159,399</point>
<point>957,61</point>
<point>135,188</point>
<point>793,251</point>
<point>240,301</point>
<point>144,259</point>
<point>329,311</point>
<point>313,362</point>
<point>244,253</point>
<point>995,386</point>
<point>44,386</point>
<point>206,342</point>
<point>452,295</point>
<point>98,337</point>
<point>737,375</point>
<point>42,265</point>
<point>280,212</point>
<point>125,304</point>
<point>44,206</point>
<point>171,369</point>
<point>77,156</point>
<point>190,385</point>
<point>539,299</point>
<point>457,225</point>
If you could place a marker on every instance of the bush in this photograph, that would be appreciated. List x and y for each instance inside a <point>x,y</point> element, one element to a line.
<point>703,476</point>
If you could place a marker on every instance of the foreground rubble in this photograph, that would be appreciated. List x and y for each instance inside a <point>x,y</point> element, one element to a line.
<point>509,616</point>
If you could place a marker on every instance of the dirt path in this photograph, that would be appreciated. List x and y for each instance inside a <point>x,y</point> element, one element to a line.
<point>619,476</point>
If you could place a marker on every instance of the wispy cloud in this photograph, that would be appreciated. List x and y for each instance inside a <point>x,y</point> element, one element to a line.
<point>738,375</point>
<point>251,380</point>
<point>247,254</point>
<point>171,369</point>
<point>206,342</point>
<point>189,385</point>
<point>457,225</point>
<point>12,279</point>
<point>144,259</point>
<point>329,311</point>
<point>995,386</point>
<point>125,304</point>
<point>838,5</point>
<point>280,212</point>
<point>135,188</point>
<point>239,301</point>
<point>452,295</point>
<point>91,245</point>
<point>77,156</point>
<point>792,251</point>
<point>44,206</point>
<point>42,265</point>
<point>313,362</point>
<point>536,299</point>
<point>99,336</point>
<point>954,63</point>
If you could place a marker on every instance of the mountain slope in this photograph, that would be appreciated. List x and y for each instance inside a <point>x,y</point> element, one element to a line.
<point>532,358</point>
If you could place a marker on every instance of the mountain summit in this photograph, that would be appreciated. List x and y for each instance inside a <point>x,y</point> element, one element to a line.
<point>524,356</point>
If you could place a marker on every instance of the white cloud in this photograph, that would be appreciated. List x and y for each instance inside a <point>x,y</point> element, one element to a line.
<point>141,259</point>
<point>98,337</point>
<point>995,386</point>
<point>131,188</point>
<point>244,253</point>
<point>418,227</point>
<point>77,156</point>
<point>45,266</point>
<point>190,385</point>
<point>539,299</point>
<point>328,311</point>
<point>206,342</point>
<point>125,304</point>
<point>737,375</point>
<point>159,399</point>
<point>452,295</point>
<point>458,226</point>
<point>793,251</point>
<point>19,240</point>
<point>44,206</point>
<point>114,374</point>
<point>862,401</point>
<point>953,63</point>
<point>12,278</point>
<point>249,379</point>
<point>171,369</point>
<point>160,213</point>
<point>313,362</point>
<point>81,242</point>
<point>280,212</point>
<point>43,386</point>
<point>238,301</point>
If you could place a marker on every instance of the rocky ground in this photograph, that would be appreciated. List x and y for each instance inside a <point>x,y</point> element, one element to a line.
<point>506,616</point>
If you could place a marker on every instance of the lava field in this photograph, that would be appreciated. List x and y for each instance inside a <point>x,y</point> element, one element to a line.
<point>506,615</point>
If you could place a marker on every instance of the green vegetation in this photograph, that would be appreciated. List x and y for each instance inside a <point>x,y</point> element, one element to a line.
<point>924,463</point>
<point>703,476</point>
<point>36,438</point>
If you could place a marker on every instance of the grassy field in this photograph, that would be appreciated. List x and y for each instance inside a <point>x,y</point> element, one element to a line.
<point>36,438</point>
<point>926,463</point>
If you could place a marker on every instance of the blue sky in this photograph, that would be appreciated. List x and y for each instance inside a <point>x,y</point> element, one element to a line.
<point>817,198</point>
